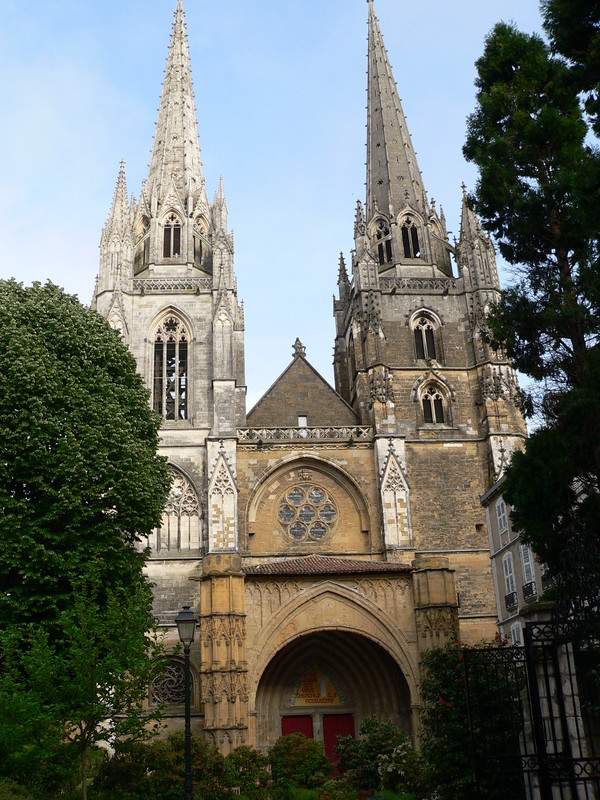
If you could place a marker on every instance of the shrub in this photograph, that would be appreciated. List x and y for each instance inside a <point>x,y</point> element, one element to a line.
<point>247,768</point>
<point>155,771</point>
<point>9,790</point>
<point>341,788</point>
<point>403,770</point>
<point>446,740</point>
<point>294,759</point>
<point>360,757</point>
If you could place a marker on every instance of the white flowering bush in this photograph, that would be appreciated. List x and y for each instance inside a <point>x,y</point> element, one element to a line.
<point>403,770</point>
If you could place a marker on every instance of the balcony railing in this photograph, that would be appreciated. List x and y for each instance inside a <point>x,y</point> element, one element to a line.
<point>351,433</point>
<point>510,600</point>
<point>529,591</point>
<point>547,581</point>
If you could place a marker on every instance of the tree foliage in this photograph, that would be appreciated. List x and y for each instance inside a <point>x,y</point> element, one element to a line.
<point>80,481</point>
<point>491,706</point>
<point>539,193</point>
<point>296,760</point>
<point>79,475</point>
<point>574,30</point>
<point>88,683</point>
<point>360,756</point>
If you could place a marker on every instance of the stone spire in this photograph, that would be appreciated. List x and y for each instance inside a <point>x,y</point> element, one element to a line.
<point>175,161</point>
<point>116,242</point>
<point>400,228</point>
<point>118,217</point>
<point>476,255</point>
<point>393,176</point>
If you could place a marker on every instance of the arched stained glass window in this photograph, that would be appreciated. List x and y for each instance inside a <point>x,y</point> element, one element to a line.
<point>170,384</point>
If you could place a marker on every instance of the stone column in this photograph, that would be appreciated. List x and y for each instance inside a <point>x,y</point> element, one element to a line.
<point>436,606</point>
<point>224,667</point>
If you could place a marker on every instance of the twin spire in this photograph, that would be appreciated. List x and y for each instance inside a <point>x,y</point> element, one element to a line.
<point>393,176</point>
<point>176,150</point>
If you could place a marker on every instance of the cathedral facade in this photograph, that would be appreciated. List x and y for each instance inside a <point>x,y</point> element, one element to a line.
<point>327,536</point>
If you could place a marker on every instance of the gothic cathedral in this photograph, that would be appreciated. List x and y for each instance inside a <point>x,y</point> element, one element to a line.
<point>326,537</point>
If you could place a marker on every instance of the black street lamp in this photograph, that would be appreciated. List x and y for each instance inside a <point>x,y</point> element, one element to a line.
<point>186,627</point>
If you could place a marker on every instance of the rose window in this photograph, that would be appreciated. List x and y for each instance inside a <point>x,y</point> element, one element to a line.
<point>307,513</point>
<point>170,688</point>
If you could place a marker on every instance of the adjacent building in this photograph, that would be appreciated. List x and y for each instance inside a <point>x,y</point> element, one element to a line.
<point>519,579</point>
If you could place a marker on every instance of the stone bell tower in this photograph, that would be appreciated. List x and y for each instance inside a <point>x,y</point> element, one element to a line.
<point>410,358</point>
<point>166,282</point>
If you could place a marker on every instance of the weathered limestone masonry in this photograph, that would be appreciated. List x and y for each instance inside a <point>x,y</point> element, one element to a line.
<point>329,537</point>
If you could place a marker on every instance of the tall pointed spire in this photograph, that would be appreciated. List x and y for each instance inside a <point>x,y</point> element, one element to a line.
<point>118,218</point>
<point>175,160</point>
<point>393,177</point>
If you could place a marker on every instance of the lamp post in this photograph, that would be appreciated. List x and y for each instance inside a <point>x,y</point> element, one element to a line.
<point>186,627</point>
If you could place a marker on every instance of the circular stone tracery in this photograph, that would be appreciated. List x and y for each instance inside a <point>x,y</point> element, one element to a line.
<point>307,512</point>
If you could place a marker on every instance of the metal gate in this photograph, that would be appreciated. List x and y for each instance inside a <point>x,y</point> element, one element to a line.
<point>539,739</point>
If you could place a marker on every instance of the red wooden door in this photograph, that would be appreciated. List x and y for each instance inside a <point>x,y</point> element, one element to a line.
<point>297,724</point>
<point>335,725</point>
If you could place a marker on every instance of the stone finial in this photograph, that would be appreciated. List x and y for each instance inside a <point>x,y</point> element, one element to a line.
<point>299,349</point>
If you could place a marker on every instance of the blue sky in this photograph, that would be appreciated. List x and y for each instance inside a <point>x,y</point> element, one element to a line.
<point>280,99</point>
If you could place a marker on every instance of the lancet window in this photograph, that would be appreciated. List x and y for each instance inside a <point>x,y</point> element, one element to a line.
<point>425,334</point>
<point>170,384</point>
<point>172,237</point>
<point>384,242</point>
<point>433,406</point>
<point>410,239</point>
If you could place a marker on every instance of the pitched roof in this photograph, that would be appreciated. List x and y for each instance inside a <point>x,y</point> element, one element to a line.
<point>300,389</point>
<point>324,565</point>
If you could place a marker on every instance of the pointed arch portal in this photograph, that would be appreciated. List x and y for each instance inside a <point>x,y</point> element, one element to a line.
<point>324,684</point>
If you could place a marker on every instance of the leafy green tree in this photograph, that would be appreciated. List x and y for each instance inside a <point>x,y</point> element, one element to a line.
<point>155,771</point>
<point>80,482</point>
<point>247,769</point>
<point>539,193</point>
<point>86,685</point>
<point>80,479</point>
<point>574,30</point>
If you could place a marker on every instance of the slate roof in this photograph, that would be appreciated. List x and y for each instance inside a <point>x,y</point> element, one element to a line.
<point>324,565</point>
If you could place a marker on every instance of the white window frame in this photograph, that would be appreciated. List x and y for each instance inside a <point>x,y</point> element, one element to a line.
<point>509,573</point>
<point>527,564</point>
<point>501,516</point>
<point>516,634</point>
